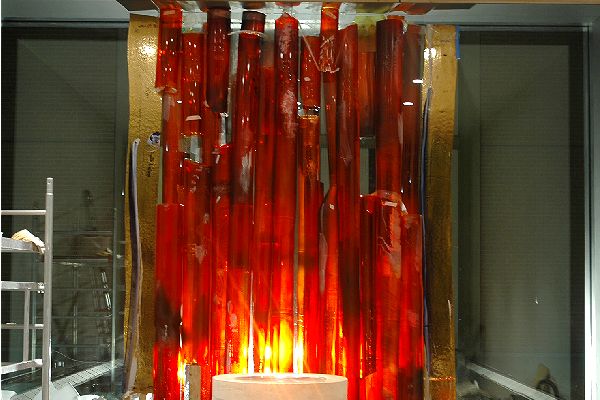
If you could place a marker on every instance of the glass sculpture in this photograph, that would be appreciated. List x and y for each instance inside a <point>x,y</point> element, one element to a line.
<point>264,262</point>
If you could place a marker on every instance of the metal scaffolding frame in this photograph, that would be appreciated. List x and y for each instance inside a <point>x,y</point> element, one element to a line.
<point>17,246</point>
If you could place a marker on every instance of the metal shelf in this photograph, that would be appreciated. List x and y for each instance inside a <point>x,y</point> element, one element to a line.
<point>81,346</point>
<point>70,317</point>
<point>22,286</point>
<point>62,260</point>
<point>14,367</point>
<point>17,246</point>
<point>24,212</point>
<point>92,289</point>
<point>12,325</point>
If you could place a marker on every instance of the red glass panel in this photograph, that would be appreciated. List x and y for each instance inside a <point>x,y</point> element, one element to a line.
<point>348,200</point>
<point>210,129</point>
<point>169,48</point>
<point>410,362</point>
<point>329,232</point>
<point>310,75</point>
<point>284,199</point>
<point>263,216</point>
<point>245,116</point>
<point>313,197</point>
<point>217,57</point>
<point>368,233</point>
<point>366,80</point>
<point>192,81</point>
<point>388,80</point>
<point>245,132</point>
<point>329,26</point>
<point>197,270</point>
<point>328,259</point>
<point>411,120</point>
<point>328,62</point>
<point>220,212</point>
<point>167,319</point>
<point>366,92</point>
<point>171,159</point>
<point>388,292</point>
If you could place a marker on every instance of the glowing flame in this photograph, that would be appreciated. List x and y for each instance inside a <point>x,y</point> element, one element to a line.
<point>246,362</point>
<point>286,348</point>
<point>299,358</point>
<point>268,353</point>
<point>180,369</point>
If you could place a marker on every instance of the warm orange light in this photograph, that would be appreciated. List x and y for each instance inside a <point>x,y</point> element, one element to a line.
<point>245,365</point>
<point>180,369</point>
<point>286,348</point>
<point>299,358</point>
<point>261,350</point>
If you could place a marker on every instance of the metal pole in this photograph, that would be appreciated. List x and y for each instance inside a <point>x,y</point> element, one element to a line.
<point>26,308</point>
<point>46,338</point>
<point>592,303</point>
<point>23,212</point>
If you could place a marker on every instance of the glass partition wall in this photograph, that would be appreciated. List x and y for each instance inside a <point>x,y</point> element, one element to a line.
<point>520,213</point>
<point>64,115</point>
<point>521,195</point>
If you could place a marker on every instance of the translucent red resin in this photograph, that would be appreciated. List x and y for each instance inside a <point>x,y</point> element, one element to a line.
<point>263,217</point>
<point>284,191</point>
<point>253,210</point>
<point>220,212</point>
<point>167,319</point>
<point>171,157</point>
<point>245,132</point>
<point>368,235</point>
<point>366,81</point>
<point>210,129</point>
<point>366,92</point>
<point>329,26</point>
<point>310,74</point>
<point>348,201</point>
<point>331,358</point>
<point>169,48</point>
<point>192,81</point>
<point>388,293</point>
<point>310,162</point>
<point>330,295</point>
<point>411,120</point>
<point>410,361</point>
<point>328,62</point>
<point>196,298</point>
<point>388,80</point>
<point>217,57</point>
